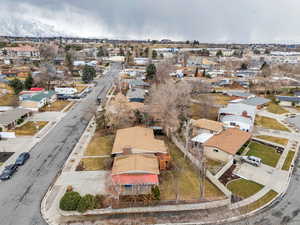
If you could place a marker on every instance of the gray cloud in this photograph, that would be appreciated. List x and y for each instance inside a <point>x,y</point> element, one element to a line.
<point>204,20</point>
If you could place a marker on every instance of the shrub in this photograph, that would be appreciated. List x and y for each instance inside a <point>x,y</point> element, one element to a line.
<point>69,201</point>
<point>99,201</point>
<point>156,192</point>
<point>86,202</point>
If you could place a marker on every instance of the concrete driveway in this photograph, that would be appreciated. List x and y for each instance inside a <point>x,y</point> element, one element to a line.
<point>266,175</point>
<point>85,182</point>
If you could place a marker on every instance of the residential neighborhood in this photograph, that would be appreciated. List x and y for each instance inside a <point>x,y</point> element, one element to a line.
<point>140,128</point>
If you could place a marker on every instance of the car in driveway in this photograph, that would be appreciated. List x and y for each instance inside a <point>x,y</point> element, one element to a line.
<point>22,158</point>
<point>8,171</point>
<point>255,161</point>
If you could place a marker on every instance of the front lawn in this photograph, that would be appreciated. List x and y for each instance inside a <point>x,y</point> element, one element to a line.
<point>288,160</point>
<point>100,145</point>
<point>92,164</point>
<point>56,106</point>
<point>260,202</point>
<point>183,179</point>
<point>270,123</point>
<point>80,88</point>
<point>30,128</point>
<point>8,100</point>
<point>268,155</point>
<point>275,108</point>
<point>244,188</point>
<point>281,141</point>
<point>214,166</point>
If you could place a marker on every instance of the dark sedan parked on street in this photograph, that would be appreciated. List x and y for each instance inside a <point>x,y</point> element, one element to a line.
<point>8,171</point>
<point>22,158</point>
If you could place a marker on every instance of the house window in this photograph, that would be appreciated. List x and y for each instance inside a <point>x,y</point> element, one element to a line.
<point>216,150</point>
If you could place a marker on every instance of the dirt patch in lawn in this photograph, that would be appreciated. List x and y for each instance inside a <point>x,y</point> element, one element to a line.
<point>29,128</point>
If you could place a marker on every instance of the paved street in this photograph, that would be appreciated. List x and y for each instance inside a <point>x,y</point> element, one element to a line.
<point>21,196</point>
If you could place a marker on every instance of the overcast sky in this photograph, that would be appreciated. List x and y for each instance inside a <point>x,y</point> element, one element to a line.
<point>203,20</point>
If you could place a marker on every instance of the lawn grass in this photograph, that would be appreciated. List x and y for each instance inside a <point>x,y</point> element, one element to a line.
<point>269,196</point>
<point>221,99</point>
<point>275,108</point>
<point>281,141</point>
<point>268,154</point>
<point>244,188</point>
<point>270,123</point>
<point>8,100</point>
<point>198,111</point>
<point>92,164</point>
<point>288,160</point>
<point>56,106</point>
<point>29,128</point>
<point>100,145</point>
<point>184,178</point>
<point>214,166</point>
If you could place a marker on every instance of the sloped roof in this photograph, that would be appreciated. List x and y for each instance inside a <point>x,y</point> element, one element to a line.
<point>135,164</point>
<point>238,109</point>
<point>208,125</point>
<point>289,98</point>
<point>256,101</point>
<point>139,140</point>
<point>229,141</point>
<point>135,179</point>
<point>12,115</point>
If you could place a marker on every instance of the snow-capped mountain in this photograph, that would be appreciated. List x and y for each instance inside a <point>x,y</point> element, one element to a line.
<point>23,27</point>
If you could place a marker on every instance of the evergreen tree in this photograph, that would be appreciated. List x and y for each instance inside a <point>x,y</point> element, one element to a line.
<point>17,85</point>
<point>28,82</point>
<point>88,74</point>
<point>150,71</point>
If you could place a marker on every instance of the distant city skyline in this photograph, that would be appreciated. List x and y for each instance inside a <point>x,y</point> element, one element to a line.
<point>231,21</point>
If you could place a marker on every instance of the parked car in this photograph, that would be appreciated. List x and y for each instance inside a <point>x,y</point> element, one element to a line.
<point>22,158</point>
<point>255,161</point>
<point>8,171</point>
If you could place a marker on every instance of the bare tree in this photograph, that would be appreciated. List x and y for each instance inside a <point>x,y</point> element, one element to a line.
<point>168,104</point>
<point>163,71</point>
<point>48,52</point>
<point>48,74</point>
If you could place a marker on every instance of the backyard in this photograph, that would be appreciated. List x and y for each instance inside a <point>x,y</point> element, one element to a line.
<point>270,123</point>
<point>268,155</point>
<point>244,188</point>
<point>183,179</point>
<point>281,141</point>
<point>30,128</point>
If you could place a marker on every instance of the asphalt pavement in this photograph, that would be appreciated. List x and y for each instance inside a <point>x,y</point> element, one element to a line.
<point>21,196</point>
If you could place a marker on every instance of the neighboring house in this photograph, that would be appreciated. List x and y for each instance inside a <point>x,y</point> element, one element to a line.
<point>243,123</point>
<point>22,51</point>
<point>206,126</point>
<point>9,119</point>
<point>136,95</point>
<point>288,100</point>
<point>35,101</point>
<point>258,102</point>
<point>238,109</point>
<point>141,61</point>
<point>138,84</point>
<point>223,146</point>
<point>239,94</point>
<point>135,174</point>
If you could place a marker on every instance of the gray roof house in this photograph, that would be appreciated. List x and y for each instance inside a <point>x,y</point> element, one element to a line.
<point>8,119</point>
<point>240,94</point>
<point>256,101</point>
<point>238,109</point>
<point>288,100</point>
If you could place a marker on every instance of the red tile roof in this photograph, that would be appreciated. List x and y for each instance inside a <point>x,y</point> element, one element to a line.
<point>134,179</point>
